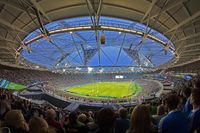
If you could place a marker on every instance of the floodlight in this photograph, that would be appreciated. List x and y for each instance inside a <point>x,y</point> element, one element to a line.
<point>90,69</point>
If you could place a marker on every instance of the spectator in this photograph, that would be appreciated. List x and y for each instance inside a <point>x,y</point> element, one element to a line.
<point>73,125</point>
<point>122,123</point>
<point>174,121</point>
<point>4,108</point>
<point>187,106</point>
<point>160,114</point>
<point>51,120</point>
<point>141,120</point>
<point>39,125</point>
<point>14,119</point>
<point>82,118</point>
<point>92,126</point>
<point>105,121</point>
<point>194,116</point>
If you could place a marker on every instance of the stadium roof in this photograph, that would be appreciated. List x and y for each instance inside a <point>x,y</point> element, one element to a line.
<point>177,20</point>
<point>72,43</point>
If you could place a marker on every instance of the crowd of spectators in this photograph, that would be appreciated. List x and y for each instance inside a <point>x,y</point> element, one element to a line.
<point>58,82</point>
<point>177,112</point>
<point>27,77</point>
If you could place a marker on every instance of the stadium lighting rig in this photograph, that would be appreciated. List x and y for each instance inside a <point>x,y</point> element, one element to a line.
<point>101,70</point>
<point>90,69</point>
<point>37,66</point>
<point>78,68</point>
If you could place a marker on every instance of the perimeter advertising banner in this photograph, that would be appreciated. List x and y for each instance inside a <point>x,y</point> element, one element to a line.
<point>5,84</point>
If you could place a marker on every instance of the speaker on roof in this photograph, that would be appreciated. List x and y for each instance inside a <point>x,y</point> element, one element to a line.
<point>103,38</point>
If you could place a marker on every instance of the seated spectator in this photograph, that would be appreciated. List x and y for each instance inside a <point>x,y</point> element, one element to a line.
<point>187,106</point>
<point>174,121</point>
<point>105,121</point>
<point>14,119</point>
<point>122,123</point>
<point>82,118</point>
<point>51,120</point>
<point>39,125</point>
<point>73,125</point>
<point>194,116</point>
<point>141,120</point>
<point>160,114</point>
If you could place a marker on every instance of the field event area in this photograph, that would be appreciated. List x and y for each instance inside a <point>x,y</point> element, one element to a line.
<point>106,90</point>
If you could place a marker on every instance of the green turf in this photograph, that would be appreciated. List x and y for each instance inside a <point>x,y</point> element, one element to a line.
<point>13,86</point>
<point>106,90</point>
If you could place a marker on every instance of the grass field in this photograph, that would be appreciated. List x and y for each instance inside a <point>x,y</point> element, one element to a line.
<point>10,85</point>
<point>106,90</point>
<point>16,87</point>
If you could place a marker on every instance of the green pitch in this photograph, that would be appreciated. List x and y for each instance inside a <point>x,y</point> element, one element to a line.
<point>13,86</point>
<point>10,85</point>
<point>106,90</point>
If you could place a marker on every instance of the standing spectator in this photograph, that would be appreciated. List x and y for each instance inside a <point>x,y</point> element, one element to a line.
<point>141,120</point>
<point>194,116</point>
<point>160,114</point>
<point>73,125</point>
<point>105,121</point>
<point>174,121</point>
<point>187,106</point>
<point>39,125</point>
<point>122,123</point>
<point>14,119</point>
<point>82,118</point>
<point>51,120</point>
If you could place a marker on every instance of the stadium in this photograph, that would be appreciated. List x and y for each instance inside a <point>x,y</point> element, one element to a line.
<point>99,66</point>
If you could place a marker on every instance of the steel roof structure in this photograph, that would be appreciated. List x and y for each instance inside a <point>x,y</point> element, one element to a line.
<point>178,20</point>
